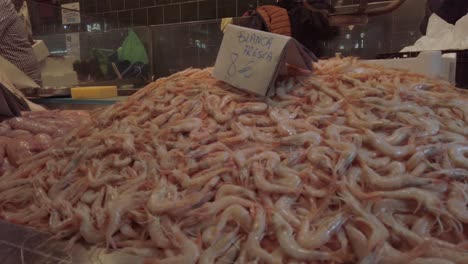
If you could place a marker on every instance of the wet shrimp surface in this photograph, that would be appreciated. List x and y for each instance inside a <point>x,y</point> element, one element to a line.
<point>33,132</point>
<point>353,163</point>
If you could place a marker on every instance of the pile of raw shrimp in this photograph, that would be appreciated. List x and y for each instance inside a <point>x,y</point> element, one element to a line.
<point>33,132</point>
<point>351,163</point>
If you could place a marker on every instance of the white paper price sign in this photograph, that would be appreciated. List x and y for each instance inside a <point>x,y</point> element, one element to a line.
<point>251,59</point>
<point>69,16</point>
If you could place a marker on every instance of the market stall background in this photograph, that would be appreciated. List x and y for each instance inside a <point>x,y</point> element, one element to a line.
<point>182,34</point>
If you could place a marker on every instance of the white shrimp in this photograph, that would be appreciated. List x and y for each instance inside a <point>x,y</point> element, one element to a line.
<point>334,131</point>
<point>157,204</point>
<point>256,107</point>
<point>284,234</point>
<point>348,153</point>
<point>263,184</point>
<point>320,157</point>
<point>215,207</point>
<point>231,189</point>
<point>456,174</point>
<point>373,179</point>
<point>379,231</point>
<point>383,146</point>
<point>199,179</point>
<point>323,233</point>
<point>390,255</point>
<point>219,247</point>
<point>420,155</point>
<point>189,249</point>
<point>234,213</point>
<point>457,154</point>
<point>288,177</point>
<point>358,241</point>
<point>252,245</point>
<point>458,201</point>
<point>156,232</point>
<point>399,136</point>
<point>300,139</point>
<point>206,149</point>
<point>116,209</point>
<point>87,229</point>
<point>372,160</point>
<point>283,207</point>
<point>230,255</point>
<point>215,158</point>
<point>426,198</point>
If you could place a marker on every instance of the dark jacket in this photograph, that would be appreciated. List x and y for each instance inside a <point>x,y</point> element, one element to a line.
<point>311,29</point>
<point>449,10</point>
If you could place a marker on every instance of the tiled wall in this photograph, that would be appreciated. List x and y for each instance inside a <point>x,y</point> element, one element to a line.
<point>125,13</point>
<point>177,46</point>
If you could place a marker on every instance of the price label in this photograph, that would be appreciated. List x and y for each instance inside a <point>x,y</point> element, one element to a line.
<point>251,59</point>
<point>71,13</point>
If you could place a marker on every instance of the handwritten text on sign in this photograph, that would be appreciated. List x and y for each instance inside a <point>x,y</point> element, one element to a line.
<point>251,59</point>
<point>248,59</point>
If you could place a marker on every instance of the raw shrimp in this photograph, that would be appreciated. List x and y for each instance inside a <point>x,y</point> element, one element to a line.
<point>253,108</point>
<point>219,247</point>
<point>383,146</point>
<point>457,154</point>
<point>156,232</point>
<point>215,207</point>
<point>376,181</point>
<point>116,209</point>
<point>187,125</point>
<point>301,139</point>
<point>424,198</point>
<point>284,234</point>
<point>198,180</point>
<point>323,233</point>
<point>237,214</point>
<point>230,255</point>
<point>231,189</point>
<point>87,229</point>
<point>357,240</point>
<point>156,205</point>
<point>189,249</point>
<point>399,136</point>
<point>283,207</point>
<point>458,200</point>
<point>371,160</point>
<point>256,235</point>
<point>390,255</point>
<point>379,232</point>
<point>348,154</point>
<point>259,175</point>
<point>353,163</point>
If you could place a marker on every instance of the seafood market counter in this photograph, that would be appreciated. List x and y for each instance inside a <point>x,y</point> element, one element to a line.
<point>77,104</point>
<point>26,246</point>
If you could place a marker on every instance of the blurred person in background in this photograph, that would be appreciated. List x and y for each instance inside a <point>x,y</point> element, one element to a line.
<point>449,10</point>
<point>15,46</point>
<point>292,18</point>
<point>310,28</point>
<point>15,49</point>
